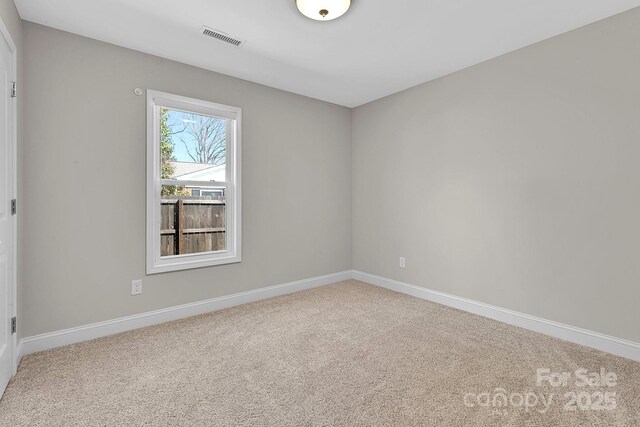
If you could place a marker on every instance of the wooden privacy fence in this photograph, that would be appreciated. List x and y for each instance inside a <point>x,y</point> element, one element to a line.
<point>191,225</point>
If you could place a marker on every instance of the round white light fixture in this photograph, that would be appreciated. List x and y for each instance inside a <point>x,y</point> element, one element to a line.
<point>323,10</point>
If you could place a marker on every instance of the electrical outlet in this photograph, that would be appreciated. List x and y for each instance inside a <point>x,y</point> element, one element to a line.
<point>403,263</point>
<point>136,287</point>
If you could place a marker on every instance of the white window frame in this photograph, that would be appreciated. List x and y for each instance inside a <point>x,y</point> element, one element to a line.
<point>233,236</point>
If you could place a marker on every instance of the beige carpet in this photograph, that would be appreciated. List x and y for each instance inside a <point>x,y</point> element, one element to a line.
<point>345,354</point>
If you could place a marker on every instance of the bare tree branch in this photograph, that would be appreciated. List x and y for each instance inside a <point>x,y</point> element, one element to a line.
<point>207,142</point>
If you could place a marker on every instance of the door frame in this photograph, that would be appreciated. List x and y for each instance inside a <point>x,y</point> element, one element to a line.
<point>13,146</point>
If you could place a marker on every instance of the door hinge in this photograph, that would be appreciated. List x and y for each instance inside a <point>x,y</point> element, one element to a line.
<point>14,89</point>
<point>13,325</point>
<point>13,206</point>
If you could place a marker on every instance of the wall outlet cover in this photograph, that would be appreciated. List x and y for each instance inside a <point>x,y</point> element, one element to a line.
<point>136,287</point>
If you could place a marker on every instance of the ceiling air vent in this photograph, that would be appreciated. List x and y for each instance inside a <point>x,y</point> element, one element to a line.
<point>220,36</point>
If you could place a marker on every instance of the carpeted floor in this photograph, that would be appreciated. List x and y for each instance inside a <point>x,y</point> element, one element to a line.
<point>345,354</point>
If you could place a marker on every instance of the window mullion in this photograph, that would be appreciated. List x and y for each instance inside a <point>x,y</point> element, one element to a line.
<point>181,183</point>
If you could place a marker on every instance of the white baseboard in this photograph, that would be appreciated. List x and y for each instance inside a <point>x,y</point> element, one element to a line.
<point>617,346</point>
<point>64,337</point>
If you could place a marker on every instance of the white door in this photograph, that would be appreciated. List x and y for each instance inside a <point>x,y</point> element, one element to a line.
<point>6,218</point>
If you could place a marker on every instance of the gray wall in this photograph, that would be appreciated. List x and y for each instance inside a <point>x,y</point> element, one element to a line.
<point>515,182</point>
<point>14,24</point>
<point>84,179</point>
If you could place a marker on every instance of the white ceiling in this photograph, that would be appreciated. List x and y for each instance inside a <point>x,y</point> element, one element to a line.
<point>378,48</point>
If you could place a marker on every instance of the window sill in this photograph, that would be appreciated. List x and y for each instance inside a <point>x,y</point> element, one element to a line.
<point>178,264</point>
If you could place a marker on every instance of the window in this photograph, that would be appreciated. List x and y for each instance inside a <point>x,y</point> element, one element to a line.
<point>193,183</point>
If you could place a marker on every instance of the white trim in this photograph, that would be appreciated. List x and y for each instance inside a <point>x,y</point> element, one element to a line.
<point>64,337</point>
<point>14,190</point>
<point>7,36</point>
<point>47,341</point>
<point>194,183</point>
<point>613,345</point>
<point>232,184</point>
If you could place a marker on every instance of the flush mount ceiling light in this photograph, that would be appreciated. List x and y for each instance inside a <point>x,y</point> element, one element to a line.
<point>323,10</point>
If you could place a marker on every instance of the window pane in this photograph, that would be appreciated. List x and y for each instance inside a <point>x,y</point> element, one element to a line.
<point>193,146</point>
<point>191,224</point>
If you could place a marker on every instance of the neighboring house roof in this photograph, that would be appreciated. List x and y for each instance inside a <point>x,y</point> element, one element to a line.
<point>185,171</point>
